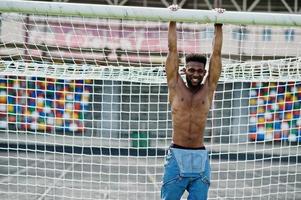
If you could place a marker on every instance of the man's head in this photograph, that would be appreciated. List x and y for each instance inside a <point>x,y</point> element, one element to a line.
<point>195,69</point>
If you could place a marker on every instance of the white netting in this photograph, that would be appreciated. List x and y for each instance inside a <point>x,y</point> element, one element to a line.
<point>84,112</point>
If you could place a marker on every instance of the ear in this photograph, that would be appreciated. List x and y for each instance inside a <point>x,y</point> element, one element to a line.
<point>183,71</point>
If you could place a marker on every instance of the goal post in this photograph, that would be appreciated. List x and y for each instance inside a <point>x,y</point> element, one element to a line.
<point>151,14</point>
<point>84,110</point>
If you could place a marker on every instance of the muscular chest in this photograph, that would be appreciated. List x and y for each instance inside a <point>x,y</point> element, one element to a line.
<point>189,102</point>
<point>186,101</point>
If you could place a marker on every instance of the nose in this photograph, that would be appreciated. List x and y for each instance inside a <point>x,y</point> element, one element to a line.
<point>196,74</point>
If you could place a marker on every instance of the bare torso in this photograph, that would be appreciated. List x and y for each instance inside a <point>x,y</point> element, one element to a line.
<point>189,113</point>
<point>190,105</point>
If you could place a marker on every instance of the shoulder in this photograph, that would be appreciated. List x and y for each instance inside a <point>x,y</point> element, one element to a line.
<point>208,88</point>
<point>177,89</point>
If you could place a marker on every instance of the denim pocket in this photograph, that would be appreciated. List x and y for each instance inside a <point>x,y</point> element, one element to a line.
<point>206,180</point>
<point>191,163</point>
<point>171,169</point>
<point>167,158</point>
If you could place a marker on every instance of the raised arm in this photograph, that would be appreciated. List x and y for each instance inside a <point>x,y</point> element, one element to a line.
<point>215,65</point>
<point>172,61</point>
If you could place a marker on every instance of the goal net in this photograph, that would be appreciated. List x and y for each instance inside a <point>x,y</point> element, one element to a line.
<point>84,110</point>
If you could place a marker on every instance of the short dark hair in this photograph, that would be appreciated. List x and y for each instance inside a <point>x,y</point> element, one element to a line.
<point>196,58</point>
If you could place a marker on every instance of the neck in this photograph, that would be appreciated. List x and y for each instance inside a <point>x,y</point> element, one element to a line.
<point>194,89</point>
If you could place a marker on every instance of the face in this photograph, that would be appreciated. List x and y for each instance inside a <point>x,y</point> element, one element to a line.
<point>195,72</point>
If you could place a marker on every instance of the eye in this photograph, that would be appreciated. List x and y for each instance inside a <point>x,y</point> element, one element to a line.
<point>201,71</point>
<point>191,70</point>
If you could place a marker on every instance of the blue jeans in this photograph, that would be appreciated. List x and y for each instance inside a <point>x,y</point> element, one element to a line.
<point>186,169</point>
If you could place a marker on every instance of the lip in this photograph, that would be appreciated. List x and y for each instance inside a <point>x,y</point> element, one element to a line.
<point>195,81</point>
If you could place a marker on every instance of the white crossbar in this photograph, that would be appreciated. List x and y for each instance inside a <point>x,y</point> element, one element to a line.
<point>147,13</point>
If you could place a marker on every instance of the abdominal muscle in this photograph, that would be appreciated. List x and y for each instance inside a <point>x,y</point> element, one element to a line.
<point>189,125</point>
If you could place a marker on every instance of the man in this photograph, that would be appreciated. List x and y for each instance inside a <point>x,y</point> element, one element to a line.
<point>187,165</point>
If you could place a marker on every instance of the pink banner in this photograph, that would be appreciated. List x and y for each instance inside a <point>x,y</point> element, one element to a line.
<point>131,38</point>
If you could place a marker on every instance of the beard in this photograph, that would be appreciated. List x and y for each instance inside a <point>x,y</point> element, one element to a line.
<point>194,84</point>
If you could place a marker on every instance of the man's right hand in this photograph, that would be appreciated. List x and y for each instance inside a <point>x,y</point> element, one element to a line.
<point>174,7</point>
<point>219,10</point>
